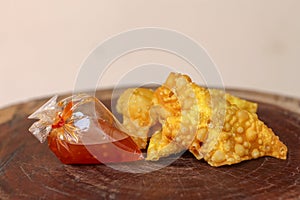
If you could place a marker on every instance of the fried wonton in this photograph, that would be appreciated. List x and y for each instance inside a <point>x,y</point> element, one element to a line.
<point>243,137</point>
<point>134,104</point>
<point>211,124</point>
<point>185,109</point>
<point>182,109</point>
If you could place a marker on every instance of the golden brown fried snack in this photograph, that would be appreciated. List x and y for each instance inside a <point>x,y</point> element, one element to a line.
<point>221,128</point>
<point>243,137</point>
<point>241,103</point>
<point>176,109</point>
<point>161,146</point>
<point>134,104</point>
<point>184,110</point>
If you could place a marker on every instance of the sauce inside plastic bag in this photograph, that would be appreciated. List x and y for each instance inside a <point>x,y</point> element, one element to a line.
<point>81,130</point>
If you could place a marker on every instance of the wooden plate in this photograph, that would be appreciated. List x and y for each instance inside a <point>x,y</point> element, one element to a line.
<point>29,170</point>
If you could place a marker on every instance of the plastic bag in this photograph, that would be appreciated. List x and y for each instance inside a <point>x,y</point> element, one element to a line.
<point>81,130</point>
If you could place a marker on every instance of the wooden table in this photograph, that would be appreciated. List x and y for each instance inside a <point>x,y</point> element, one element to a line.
<point>29,170</point>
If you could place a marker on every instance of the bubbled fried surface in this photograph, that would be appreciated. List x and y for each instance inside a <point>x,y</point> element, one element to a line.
<point>175,106</point>
<point>241,103</point>
<point>161,146</point>
<point>211,124</point>
<point>184,109</point>
<point>243,137</point>
<point>134,104</point>
<point>212,103</point>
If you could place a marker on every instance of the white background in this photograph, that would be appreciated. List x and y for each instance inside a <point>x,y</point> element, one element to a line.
<point>254,43</point>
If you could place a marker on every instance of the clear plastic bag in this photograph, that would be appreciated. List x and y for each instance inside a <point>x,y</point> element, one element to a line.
<point>81,130</point>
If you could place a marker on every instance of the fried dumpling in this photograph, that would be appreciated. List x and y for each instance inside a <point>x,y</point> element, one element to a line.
<point>185,109</point>
<point>211,124</point>
<point>176,108</point>
<point>243,137</point>
<point>134,104</point>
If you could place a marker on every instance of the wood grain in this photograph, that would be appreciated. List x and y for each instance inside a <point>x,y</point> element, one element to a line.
<point>29,170</point>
